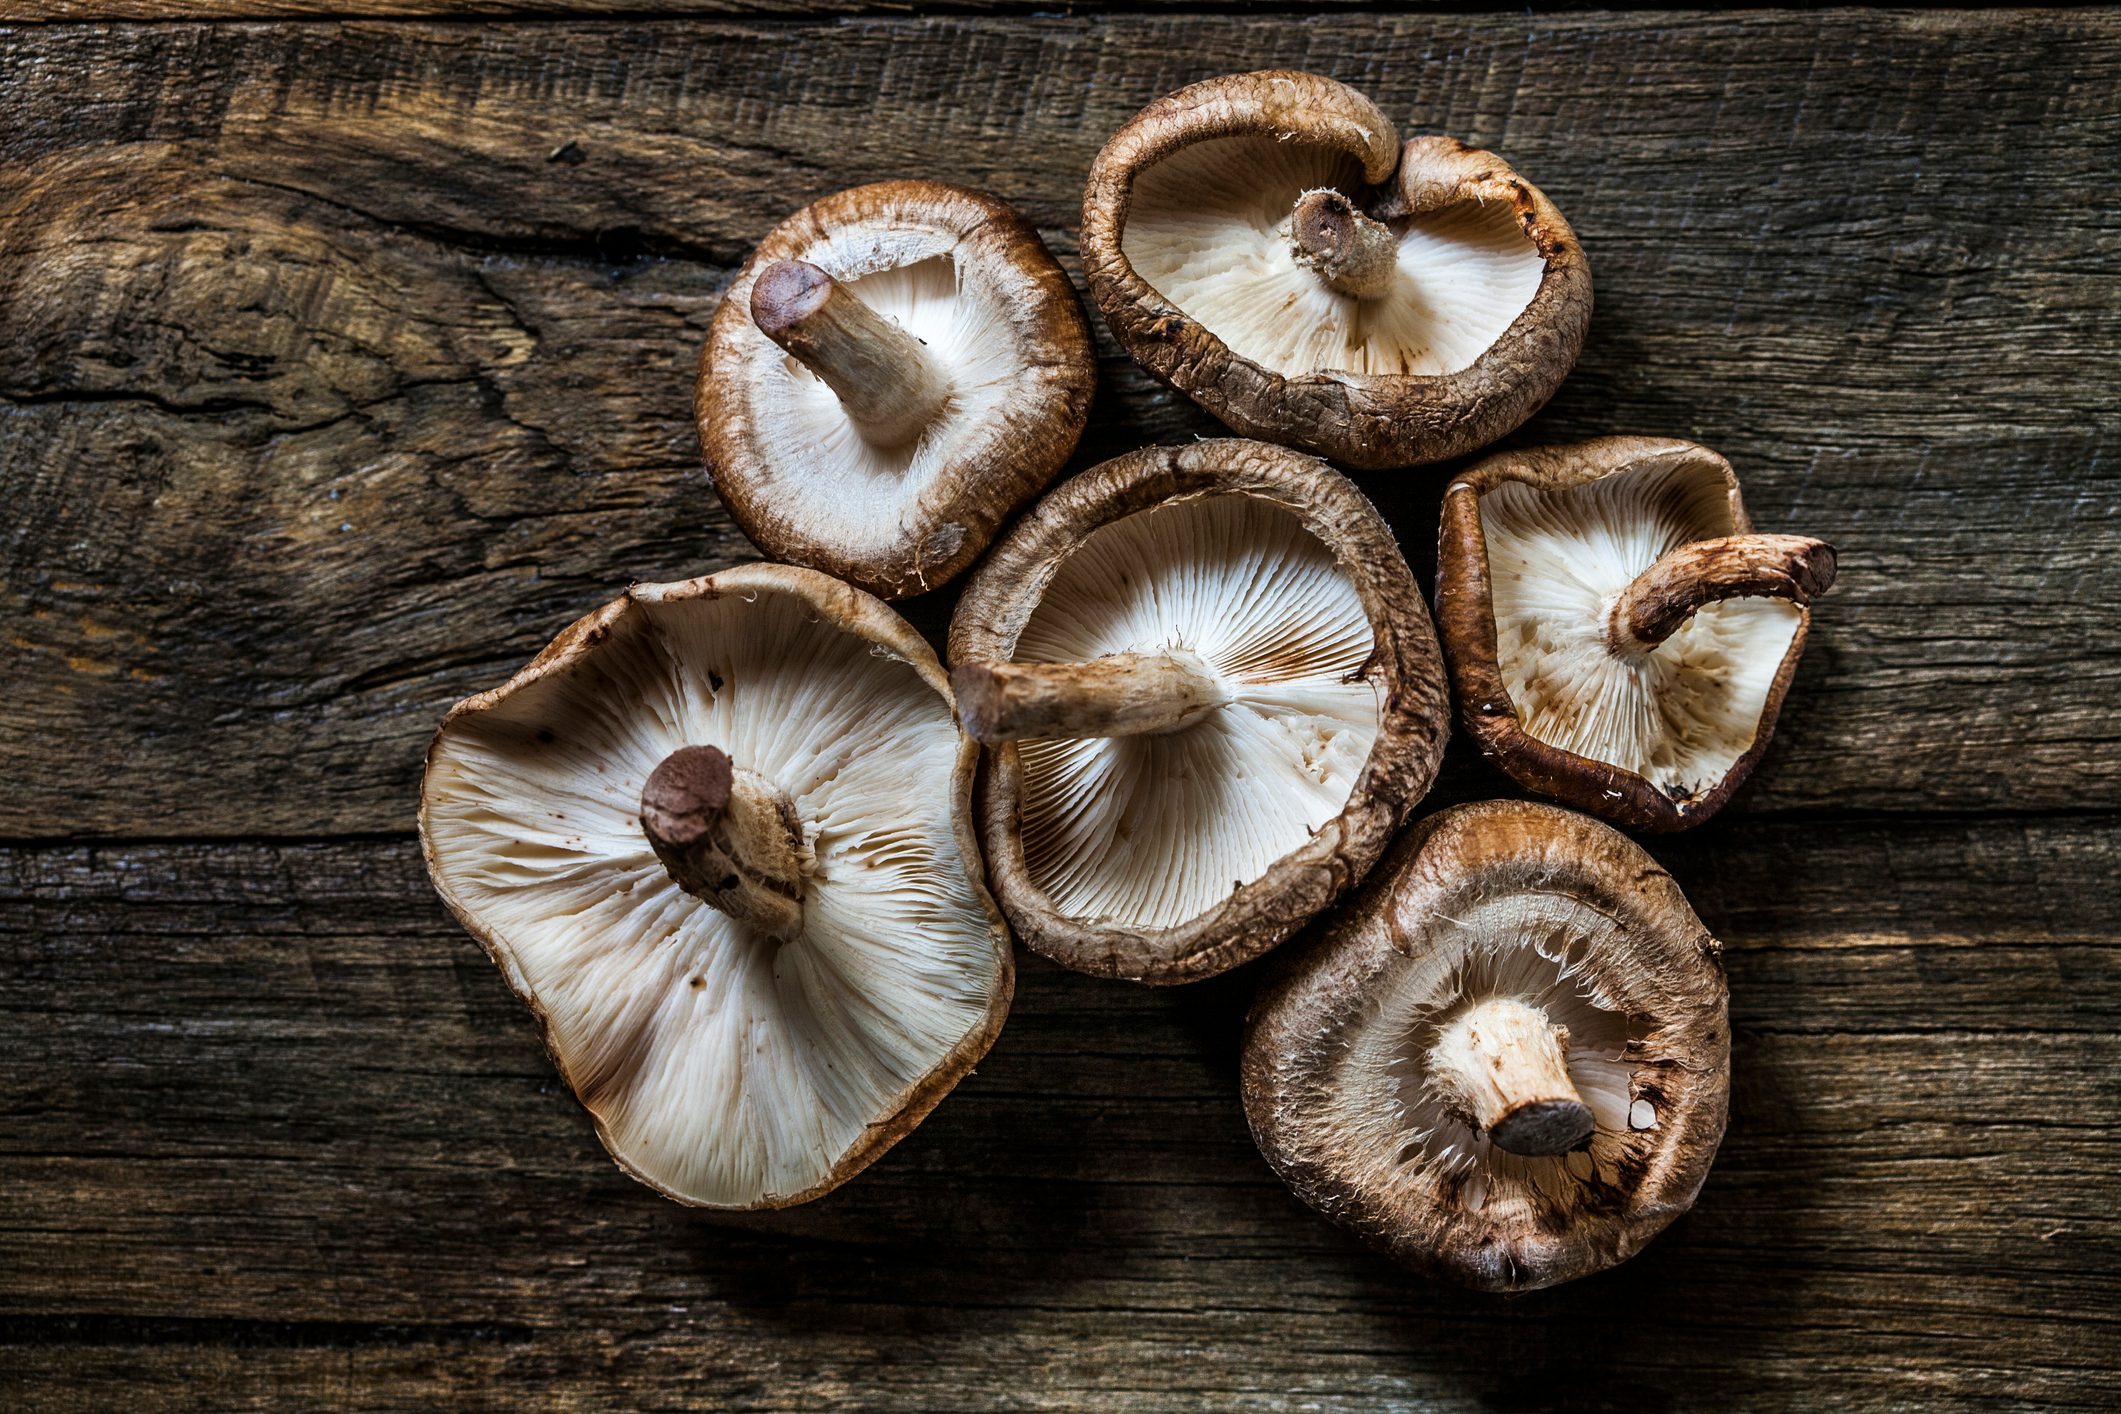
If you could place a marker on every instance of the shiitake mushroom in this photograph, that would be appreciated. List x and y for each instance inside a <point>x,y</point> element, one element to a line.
<point>1266,244</point>
<point>1620,637</point>
<point>1506,1061</point>
<point>896,369</point>
<point>717,836</point>
<point>1210,692</point>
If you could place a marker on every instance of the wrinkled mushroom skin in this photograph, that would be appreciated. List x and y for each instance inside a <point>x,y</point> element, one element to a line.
<point>1364,420</point>
<point>579,652</point>
<point>1007,588</point>
<point>989,455</point>
<point>1659,600</point>
<point>1547,1219</point>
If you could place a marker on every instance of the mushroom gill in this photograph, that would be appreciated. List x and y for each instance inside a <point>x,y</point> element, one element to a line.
<point>855,480</point>
<point>1507,1060</point>
<point>1208,691</point>
<point>1558,558</point>
<point>1526,949</point>
<point>725,1065</point>
<point>1210,229</point>
<point>1154,829</point>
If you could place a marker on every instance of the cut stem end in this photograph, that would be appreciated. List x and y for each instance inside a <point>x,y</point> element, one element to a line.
<point>729,837</point>
<point>1503,1068</point>
<point>884,377</point>
<point>1354,254</point>
<point>1544,1127</point>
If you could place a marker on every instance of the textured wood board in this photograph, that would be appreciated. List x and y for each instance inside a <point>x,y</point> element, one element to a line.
<point>64,11</point>
<point>89,11</point>
<point>271,1098</point>
<point>396,395</point>
<point>335,381</point>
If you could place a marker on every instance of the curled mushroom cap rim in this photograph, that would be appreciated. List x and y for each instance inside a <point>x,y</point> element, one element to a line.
<point>896,368</point>
<point>1549,543</point>
<point>584,657</point>
<point>1214,488</point>
<point>1442,388</point>
<point>1489,901</point>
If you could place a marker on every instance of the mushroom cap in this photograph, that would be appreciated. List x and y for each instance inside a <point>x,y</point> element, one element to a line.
<point>1185,244</point>
<point>1170,858</point>
<point>1533,547</point>
<point>721,1068</point>
<point>966,274</point>
<point>1498,898</point>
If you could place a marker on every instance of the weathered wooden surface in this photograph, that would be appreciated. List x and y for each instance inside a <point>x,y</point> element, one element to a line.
<point>343,364</point>
<point>61,11</point>
<point>286,1108</point>
<point>396,392</point>
<point>64,11</point>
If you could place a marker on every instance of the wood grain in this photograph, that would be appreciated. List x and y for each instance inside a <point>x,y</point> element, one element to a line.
<point>345,363</point>
<point>98,11</point>
<point>1917,1198</point>
<point>92,11</point>
<point>331,394</point>
<point>77,11</point>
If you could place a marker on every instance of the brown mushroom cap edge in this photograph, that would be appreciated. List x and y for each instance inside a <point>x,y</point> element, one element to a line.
<point>1665,970</point>
<point>1364,420</point>
<point>992,468</point>
<point>859,614</point>
<point>1006,589</point>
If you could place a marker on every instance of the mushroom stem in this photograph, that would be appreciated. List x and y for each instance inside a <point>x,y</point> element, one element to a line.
<point>728,836</point>
<point>1354,254</point>
<point>884,377</point>
<point>1663,597</point>
<point>1121,694</point>
<point>1503,1068</point>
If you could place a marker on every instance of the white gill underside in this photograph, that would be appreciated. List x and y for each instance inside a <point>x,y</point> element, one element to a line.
<point>1384,1108</point>
<point>1679,716</point>
<point>1151,831</point>
<point>718,1066</point>
<point>863,495</point>
<point>1209,230</point>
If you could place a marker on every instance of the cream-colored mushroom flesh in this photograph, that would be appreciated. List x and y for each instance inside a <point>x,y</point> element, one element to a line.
<point>721,1066</point>
<point>1679,715</point>
<point>1394,1112</point>
<point>1506,1059</point>
<point>1149,831</point>
<point>1209,230</point>
<point>856,492</point>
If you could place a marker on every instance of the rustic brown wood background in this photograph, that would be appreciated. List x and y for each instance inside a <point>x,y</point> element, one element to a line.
<point>341,363</point>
